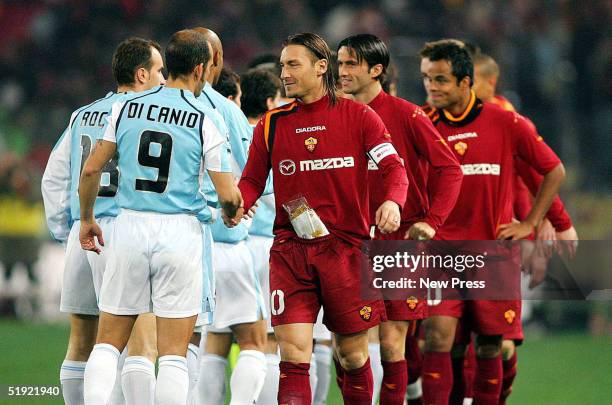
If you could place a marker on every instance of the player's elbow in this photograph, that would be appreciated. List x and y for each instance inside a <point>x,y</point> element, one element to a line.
<point>90,171</point>
<point>557,175</point>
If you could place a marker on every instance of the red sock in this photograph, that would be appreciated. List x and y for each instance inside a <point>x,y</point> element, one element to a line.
<point>487,385</point>
<point>509,367</point>
<point>437,378</point>
<point>414,359</point>
<point>469,371</point>
<point>339,373</point>
<point>458,391</point>
<point>358,385</point>
<point>294,384</point>
<point>394,383</point>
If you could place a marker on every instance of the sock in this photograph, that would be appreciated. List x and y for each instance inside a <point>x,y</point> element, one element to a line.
<point>414,393</point>
<point>211,385</point>
<point>339,373</point>
<point>358,385</point>
<point>509,371</point>
<point>312,376</point>
<point>377,369</point>
<point>395,380</point>
<point>248,377</point>
<point>138,380</point>
<point>294,384</point>
<point>100,374</point>
<point>458,390</point>
<point>323,356</point>
<point>193,367</point>
<point>117,397</point>
<point>172,383</point>
<point>437,378</point>
<point>269,392</point>
<point>487,384</point>
<point>72,374</point>
<point>469,371</point>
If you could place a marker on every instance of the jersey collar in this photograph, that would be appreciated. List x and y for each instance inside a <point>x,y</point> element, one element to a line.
<point>471,112</point>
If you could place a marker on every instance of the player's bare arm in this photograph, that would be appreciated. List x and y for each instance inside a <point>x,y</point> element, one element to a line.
<point>88,190</point>
<point>550,185</point>
<point>229,197</point>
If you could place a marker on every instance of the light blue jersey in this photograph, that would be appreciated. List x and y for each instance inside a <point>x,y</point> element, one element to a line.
<point>60,183</point>
<point>240,135</point>
<point>162,136</point>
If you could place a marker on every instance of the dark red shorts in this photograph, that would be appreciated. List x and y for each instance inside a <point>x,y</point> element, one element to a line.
<point>483,317</point>
<point>308,274</point>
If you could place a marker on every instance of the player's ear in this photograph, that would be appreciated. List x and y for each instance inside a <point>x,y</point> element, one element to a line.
<point>199,72</point>
<point>141,75</point>
<point>466,82</point>
<point>376,71</point>
<point>321,66</point>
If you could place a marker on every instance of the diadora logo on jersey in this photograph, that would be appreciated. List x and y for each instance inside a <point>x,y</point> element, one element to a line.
<point>325,164</point>
<point>481,168</point>
<point>311,129</point>
<point>462,136</point>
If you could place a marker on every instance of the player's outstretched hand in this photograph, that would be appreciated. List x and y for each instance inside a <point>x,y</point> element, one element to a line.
<point>568,241</point>
<point>89,231</point>
<point>388,217</point>
<point>514,231</point>
<point>420,231</point>
<point>251,212</point>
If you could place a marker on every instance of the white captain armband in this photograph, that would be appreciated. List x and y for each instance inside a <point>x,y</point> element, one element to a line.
<point>381,151</point>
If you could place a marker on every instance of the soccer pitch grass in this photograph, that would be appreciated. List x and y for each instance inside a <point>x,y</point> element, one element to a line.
<point>557,369</point>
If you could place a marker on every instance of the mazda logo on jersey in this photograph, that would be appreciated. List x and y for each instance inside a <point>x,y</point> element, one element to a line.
<point>286,167</point>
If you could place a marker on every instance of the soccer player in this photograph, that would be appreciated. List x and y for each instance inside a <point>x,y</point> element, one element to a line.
<point>137,66</point>
<point>363,60</point>
<point>228,85</point>
<point>318,148</point>
<point>164,140</point>
<point>240,308</point>
<point>482,136</point>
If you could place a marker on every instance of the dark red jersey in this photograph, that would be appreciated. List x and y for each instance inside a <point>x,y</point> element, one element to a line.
<point>321,152</point>
<point>486,140</point>
<point>426,158</point>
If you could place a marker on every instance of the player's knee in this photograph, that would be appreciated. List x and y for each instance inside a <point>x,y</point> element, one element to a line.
<point>392,348</point>
<point>439,339</point>
<point>251,337</point>
<point>351,360</point>
<point>507,349</point>
<point>79,349</point>
<point>488,347</point>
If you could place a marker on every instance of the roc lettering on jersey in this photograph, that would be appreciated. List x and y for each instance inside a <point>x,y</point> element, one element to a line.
<point>481,168</point>
<point>325,164</point>
<point>462,136</point>
<point>311,129</point>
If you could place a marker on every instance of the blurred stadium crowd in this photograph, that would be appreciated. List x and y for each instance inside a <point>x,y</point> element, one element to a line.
<point>555,57</point>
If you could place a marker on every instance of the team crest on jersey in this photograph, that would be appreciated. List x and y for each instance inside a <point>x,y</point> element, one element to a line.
<point>510,315</point>
<point>311,144</point>
<point>365,313</point>
<point>412,302</point>
<point>461,147</point>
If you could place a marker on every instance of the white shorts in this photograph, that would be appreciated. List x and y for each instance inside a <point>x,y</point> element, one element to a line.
<point>155,265</point>
<point>238,294</point>
<point>259,246</point>
<point>208,286</point>
<point>320,331</point>
<point>83,271</point>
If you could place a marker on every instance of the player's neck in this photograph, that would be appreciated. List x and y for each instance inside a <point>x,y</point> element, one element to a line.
<point>315,95</point>
<point>459,108</point>
<point>253,121</point>
<point>180,83</point>
<point>368,93</point>
<point>126,89</point>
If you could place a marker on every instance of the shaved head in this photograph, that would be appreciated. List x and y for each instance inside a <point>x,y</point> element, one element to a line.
<point>217,54</point>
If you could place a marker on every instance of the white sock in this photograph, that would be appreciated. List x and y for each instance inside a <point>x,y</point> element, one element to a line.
<point>269,392</point>
<point>193,367</point>
<point>323,356</point>
<point>468,401</point>
<point>138,381</point>
<point>312,376</point>
<point>172,381</point>
<point>211,385</point>
<point>116,397</point>
<point>414,390</point>
<point>100,374</point>
<point>248,377</point>
<point>71,378</point>
<point>377,370</point>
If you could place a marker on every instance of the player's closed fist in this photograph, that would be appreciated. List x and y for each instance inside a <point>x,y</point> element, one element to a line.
<point>388,217</point>
<point>90,231</point>
<point>420,231</point>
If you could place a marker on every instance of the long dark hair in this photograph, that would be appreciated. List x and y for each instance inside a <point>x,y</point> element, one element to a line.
<point>319,48</point>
